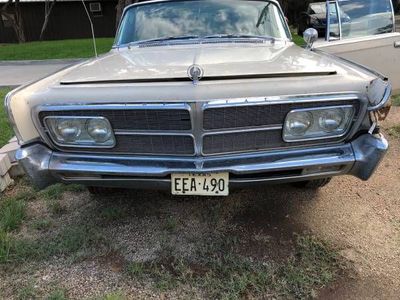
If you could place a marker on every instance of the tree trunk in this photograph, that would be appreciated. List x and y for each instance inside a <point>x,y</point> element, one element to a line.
<point>15,17</point>
<point>48,7</point>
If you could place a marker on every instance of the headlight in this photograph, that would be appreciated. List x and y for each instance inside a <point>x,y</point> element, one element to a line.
<point>298,123</point>
<point>99,130</point>
<point>317,123</point>
<point>330,120</point>
<point>80,131</point>
<point>68,130</point>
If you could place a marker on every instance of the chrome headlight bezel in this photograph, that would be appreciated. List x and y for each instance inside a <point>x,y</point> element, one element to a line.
<point>316,132</point>
<point>83,140</point>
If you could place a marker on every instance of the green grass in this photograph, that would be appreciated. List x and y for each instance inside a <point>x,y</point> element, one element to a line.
<point>42,224</point>
<point>396,100</point>
<point>114,296</point>
<point>57,294</point>
<point>27,292</point>
<point>12,213</point>
<point>223,274</point>
<point>298,40</point>
<point>82,48</point>
<point>6,132</point>
<point>75,242</point>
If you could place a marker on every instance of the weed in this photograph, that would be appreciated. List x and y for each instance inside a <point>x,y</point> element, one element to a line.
<point>6,132</point>
<point>171,224</point>
<point>114,296</point>
<point>57,294</point>
<point>395,131</point>
<point>27,292</point>
<point>313,266</point>
<point>42,224</point>
<point>396,100</point>
<point>56,191</point>
<point>75,242</point>
<point>12,213</point>
<point>110,214</point>
<point>53,192</point>
<point>136,270</point>
<point>55,207</point>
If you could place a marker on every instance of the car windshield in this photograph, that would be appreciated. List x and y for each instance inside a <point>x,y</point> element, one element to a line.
<point>201,19</point>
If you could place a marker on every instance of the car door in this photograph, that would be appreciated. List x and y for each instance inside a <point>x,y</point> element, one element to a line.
<point>363,31</point>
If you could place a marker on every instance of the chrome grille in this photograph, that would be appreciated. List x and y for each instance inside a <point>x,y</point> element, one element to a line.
<point>195,128</point>
<point>242,116</point>
<point>241,141</point>
<point>135,119</point>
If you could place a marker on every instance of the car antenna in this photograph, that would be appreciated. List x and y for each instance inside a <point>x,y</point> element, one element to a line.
<point>92,28</point>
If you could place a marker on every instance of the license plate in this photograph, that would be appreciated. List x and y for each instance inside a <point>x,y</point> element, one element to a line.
<point>214,184</point>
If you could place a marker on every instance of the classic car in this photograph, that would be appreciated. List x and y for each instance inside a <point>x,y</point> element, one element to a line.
<point>316,17</point>
<point>200,97</point>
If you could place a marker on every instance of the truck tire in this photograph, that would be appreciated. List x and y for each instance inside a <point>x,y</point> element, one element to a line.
<point>313,184</point>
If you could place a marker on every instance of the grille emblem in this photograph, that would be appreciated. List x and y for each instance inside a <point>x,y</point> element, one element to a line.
<point>195,73</point>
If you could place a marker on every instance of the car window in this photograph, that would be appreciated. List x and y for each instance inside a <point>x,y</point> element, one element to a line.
<point>334,32</point>
<point>201,18</point>
<point>365,17</point>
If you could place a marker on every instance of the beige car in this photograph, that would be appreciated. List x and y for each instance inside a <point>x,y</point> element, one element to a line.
<point>199,98</point>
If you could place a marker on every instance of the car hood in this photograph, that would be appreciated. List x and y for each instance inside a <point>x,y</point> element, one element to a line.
<point>218,61</point>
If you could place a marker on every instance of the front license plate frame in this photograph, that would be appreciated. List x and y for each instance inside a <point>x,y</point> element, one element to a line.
<point>202,184</point>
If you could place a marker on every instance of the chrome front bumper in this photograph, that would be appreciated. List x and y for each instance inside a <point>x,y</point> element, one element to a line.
<point>359,158</point>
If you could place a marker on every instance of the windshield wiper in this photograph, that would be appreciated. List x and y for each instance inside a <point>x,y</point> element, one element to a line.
<point>238,36</point>
<point>168,38</point>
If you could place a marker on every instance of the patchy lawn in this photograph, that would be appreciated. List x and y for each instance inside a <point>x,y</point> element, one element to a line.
<point>63,49</point>
<point>5,129</point>
<point>53,240</point>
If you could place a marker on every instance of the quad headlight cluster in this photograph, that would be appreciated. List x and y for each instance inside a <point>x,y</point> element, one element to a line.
<point>81,131</point>
<point>317,123</point>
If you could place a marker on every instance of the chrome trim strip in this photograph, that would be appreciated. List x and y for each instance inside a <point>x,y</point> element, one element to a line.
<point>242,129</point>
<point>385,99</point>
<point>279,100</point>
<point>155,133</point>
<point>119,106</point>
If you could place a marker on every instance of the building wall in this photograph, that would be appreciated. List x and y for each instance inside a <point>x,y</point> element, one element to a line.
<point>68,20</point>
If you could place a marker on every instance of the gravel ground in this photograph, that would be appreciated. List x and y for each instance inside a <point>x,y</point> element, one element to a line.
<point>360,219</point>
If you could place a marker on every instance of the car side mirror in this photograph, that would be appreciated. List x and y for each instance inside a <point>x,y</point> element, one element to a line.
<point>310,37</point>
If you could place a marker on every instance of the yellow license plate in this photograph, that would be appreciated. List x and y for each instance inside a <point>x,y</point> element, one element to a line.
<point>212,184</point>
